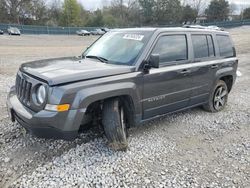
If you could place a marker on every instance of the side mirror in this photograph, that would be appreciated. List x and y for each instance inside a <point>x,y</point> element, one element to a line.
<point>154,60</point>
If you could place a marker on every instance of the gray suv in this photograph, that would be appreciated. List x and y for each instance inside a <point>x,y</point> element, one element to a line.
<point>126,77</point>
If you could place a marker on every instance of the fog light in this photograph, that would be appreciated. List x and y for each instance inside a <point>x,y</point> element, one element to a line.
<point>57,108</point>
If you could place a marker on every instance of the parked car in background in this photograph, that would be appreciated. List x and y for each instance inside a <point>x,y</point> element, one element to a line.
<point>13,31</point>
<point>97,32</point>
<point>1,32</point>
<point>105,29</point>
<point>83,32</point>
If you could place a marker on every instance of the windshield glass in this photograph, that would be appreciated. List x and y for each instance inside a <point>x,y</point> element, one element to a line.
<point>14,29</point>
<point>119,47</point>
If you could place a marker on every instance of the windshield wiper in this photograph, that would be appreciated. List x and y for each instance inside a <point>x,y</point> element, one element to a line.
<point>102,59</point>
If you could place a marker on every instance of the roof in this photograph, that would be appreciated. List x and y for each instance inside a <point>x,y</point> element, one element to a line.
<point>173,29</point>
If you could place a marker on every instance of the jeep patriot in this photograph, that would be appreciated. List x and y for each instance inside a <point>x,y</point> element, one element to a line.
<point>126,77</point>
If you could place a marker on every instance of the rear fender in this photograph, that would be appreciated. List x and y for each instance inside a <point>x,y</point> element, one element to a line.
<point>227,71</point>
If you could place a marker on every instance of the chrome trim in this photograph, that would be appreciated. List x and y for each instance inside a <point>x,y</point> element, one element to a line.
<point>190,65</point>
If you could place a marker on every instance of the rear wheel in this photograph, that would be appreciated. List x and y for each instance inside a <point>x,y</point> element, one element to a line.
<point>115,124</point>
<point>218,98</point>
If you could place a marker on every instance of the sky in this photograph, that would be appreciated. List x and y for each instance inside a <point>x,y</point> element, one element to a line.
<point>94,4</point>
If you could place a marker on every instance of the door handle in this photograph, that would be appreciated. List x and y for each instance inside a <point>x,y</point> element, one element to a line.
<point>214,66</point>
<point>185,71</point>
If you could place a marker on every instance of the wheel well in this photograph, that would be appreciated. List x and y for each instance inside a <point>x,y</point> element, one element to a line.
<point>95,109</point>
<point>129,108</point>
<point>229,81</point>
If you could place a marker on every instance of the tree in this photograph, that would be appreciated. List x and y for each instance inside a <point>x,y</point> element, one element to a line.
<point>3,13</point>
<point>188,14</point>
<point>119,11</point>
<point>109,20</point>
<point>54,13</point>
<point>199,5</point>
<point>39,12</point>
<point>71,13</point>
<point>133,13</point>
<point>147,9</point>
<point>96,19</point>
<point>16,9</point>
<point>233,8</point>
<point>168,11</point>
<point>218,10</point>
<point>246,13</point>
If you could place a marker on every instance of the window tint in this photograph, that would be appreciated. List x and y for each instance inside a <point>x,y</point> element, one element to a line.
<point>203,46</point>
<point>225,46</point>
<point>171,48</point>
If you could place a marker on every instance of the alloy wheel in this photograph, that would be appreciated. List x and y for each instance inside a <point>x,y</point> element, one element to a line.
<point>220,98</point>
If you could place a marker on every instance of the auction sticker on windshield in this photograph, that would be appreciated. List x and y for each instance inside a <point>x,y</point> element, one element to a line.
<point>133,37</point>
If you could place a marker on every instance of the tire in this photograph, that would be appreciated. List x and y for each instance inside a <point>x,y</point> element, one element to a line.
<point>217,98</point>
<point>114,123</point>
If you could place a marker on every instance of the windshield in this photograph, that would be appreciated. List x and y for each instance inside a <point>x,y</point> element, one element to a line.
<point>119,47</point>
<point>14,29</point>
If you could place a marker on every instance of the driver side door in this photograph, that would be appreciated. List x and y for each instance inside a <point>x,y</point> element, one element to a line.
<point>168,88</point>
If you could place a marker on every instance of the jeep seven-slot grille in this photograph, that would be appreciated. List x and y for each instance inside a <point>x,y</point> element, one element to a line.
<point>23,90</point>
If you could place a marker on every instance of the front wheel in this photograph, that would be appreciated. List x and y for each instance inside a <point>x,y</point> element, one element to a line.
<point>115,124</point>
<point>218,97</point>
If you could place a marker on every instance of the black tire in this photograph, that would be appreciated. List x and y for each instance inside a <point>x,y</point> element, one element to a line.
<point>217,98</point>
<point>113,120</point>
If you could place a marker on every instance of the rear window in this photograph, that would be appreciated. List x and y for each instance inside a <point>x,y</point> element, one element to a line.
<point>203,46</point>
<point>225,46</point>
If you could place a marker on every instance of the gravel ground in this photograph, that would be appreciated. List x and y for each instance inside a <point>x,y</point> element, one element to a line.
<point>189,149</point>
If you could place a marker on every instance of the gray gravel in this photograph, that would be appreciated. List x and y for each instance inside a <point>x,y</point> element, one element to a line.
<point>189,149</point>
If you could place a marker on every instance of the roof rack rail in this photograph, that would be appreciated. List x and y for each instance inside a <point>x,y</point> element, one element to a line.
<point>212,27</point>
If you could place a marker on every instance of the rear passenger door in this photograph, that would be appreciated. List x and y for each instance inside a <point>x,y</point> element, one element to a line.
<point>204,67</point>
<point>212,52</point>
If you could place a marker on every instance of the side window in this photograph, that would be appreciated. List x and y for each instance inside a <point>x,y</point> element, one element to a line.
<point>203,46</point>
<point>171,48</point>
<point>225,46</point>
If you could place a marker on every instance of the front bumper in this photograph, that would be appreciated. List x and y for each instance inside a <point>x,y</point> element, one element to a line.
<point>45,124</point>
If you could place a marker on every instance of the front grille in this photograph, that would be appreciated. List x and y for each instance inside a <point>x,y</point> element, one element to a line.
<point>23,90</point>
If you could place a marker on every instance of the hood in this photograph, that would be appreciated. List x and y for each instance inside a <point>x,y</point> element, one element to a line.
<point>65,70</point>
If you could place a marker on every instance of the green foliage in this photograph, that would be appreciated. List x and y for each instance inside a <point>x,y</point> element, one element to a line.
<point>95,19</point>
<point>160,12</point>
<point>119,13</point>
<point>246,13</point>
<point>168,11</point>
<point>147,10</point>
<point>188,14</point>
<point>109,20</point>
<point>218,10</point>
<point>71,13</point>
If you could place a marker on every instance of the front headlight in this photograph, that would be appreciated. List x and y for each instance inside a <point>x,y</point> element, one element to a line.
<point>41,94</point>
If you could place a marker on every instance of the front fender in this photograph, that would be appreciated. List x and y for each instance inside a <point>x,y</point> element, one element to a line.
<point>86,96</point>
